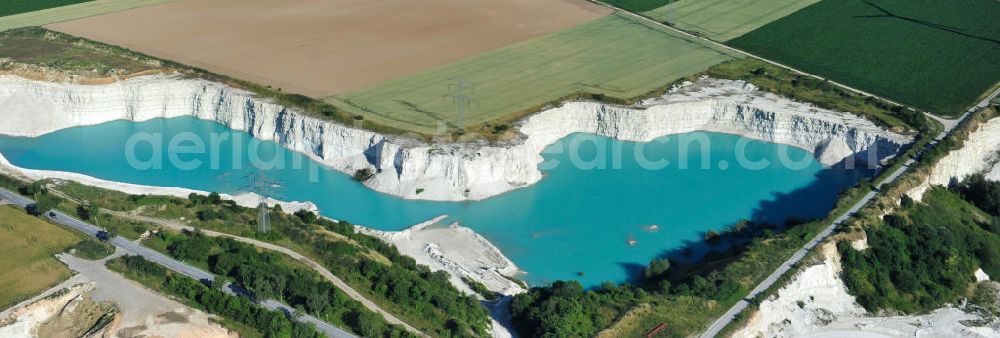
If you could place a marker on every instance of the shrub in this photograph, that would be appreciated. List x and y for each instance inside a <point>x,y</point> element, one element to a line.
<point>363,175</point>
<point>92,250</point>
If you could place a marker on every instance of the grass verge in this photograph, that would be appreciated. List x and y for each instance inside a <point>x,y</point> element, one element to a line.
<point>27,265</point>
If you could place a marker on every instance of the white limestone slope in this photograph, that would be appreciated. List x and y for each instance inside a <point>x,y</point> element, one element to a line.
<point>815,297</point>
<point>815,303</point>
<point>446,171</point>
<point>979,153</point>
<point>458,250</point>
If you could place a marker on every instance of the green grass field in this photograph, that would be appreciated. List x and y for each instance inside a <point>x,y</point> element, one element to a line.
<point>934,55</point>
<point>614,56</point>
<point>27,265</point>
<point>18,7</point>
<point>722,20</point>
<point>43,12</point>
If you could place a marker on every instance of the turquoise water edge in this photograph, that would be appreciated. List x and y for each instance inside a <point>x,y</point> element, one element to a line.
<point>595,222</point>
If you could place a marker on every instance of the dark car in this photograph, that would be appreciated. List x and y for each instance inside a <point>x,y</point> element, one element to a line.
<point>52,214</point>
<point>103,235</point>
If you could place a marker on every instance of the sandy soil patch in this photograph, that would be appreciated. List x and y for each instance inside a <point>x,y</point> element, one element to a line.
<point>65,311</point>
<point>325,47</point>
<point>144,313</point>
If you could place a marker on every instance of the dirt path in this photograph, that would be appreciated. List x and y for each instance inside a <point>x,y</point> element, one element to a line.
<point>351,292</point>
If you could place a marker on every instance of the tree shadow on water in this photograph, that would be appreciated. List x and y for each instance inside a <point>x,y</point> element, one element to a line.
<point>774,215</point>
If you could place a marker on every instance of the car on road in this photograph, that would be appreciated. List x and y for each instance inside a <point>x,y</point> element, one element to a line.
<point>52,214</point>
<point>103,235</point>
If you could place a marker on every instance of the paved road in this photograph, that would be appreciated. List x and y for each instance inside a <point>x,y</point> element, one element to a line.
<point>15,198</point>
<point>131,247</point>
<point>737,308</point>
<point>170,263</point>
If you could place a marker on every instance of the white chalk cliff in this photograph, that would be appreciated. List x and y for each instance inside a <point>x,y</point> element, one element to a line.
<point>979,153</point>
<point>447,171</point>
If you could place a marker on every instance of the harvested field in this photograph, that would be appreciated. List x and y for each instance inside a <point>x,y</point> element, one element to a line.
<point>615,57</point>
<point>722,20</point>
<point>27,265</point>
<point>321,48</point>
<point>936,56</point>
<point>34,12</point>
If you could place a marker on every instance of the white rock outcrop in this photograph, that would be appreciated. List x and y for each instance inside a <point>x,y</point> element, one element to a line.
<point>447,171</point>
<point>458,250</point>
<point>816,303</point>
<point>815,297</point>
<point>979,153</point>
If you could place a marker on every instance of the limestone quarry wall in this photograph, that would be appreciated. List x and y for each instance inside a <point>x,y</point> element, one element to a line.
<point>978,154</point>
<point>446,171</point>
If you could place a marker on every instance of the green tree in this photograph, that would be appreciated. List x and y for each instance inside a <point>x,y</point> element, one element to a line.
<point>368,324</point>
<point>657,268</point>
<point>307,217</point>
<point>214,198</point>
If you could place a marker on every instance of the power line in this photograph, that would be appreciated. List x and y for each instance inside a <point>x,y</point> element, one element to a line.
<point>460,93</point>
<point>264,187</point>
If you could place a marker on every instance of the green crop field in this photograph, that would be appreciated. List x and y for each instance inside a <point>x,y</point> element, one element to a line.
<point>614,56</point>
<point>43,12</point>
<point>722,20</point>
<point>940,56</point>
<point>638,5</point>
<point>18,7</point>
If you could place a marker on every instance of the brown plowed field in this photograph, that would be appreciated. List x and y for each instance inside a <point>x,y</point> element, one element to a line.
<point>325,47</point>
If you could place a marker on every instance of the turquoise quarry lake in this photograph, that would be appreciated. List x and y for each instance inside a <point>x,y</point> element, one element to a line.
<point>575,220</point>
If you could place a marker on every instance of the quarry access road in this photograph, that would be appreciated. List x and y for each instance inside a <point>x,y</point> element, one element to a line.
<point>730,315</point>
